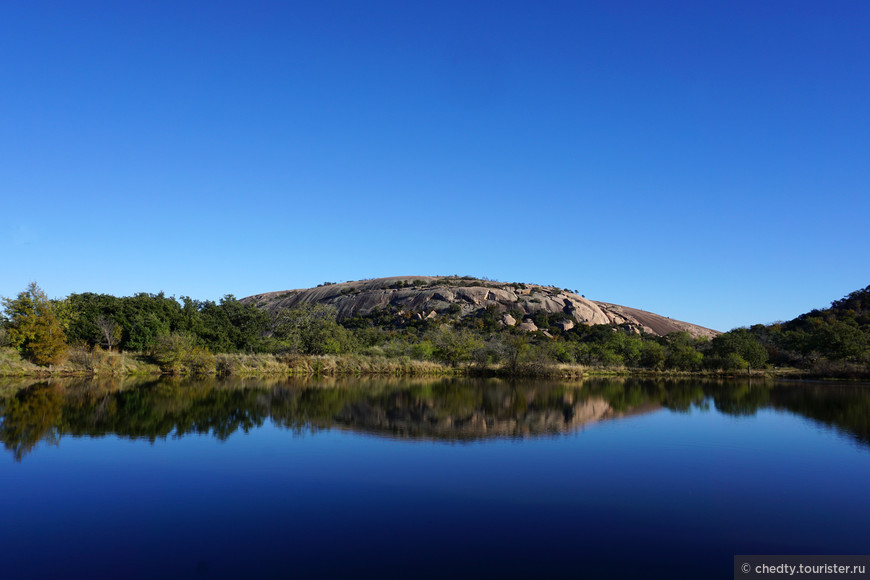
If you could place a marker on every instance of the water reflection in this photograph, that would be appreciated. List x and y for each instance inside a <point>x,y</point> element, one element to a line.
<point>443,410</point>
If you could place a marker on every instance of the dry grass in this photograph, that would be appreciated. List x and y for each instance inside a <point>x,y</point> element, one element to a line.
<point>310,365</point>
<point>96,362</point>
<point>102,363</point>
<point>81,361</point>
<point>12,365</point>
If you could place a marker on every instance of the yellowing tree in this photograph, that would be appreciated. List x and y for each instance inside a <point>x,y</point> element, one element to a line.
<point>33,327</point>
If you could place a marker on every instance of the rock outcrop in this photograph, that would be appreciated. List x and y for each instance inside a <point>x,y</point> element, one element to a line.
<point>431,297</point>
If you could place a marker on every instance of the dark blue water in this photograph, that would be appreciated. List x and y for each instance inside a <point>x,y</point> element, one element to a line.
<point>428,480</point>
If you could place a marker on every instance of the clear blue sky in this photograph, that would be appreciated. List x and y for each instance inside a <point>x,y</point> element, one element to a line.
<point>709,161</point>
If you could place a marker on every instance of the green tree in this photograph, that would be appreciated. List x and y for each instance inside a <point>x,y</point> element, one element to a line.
<point>735,349</point>
<point>841,340</point>
<point>423,350</point>
<point>513,349</point>
<point>455,346</point>
<point>178,353</point>
<point>144,330</point>
<point>33,327</point>
<point>312,329</point>
<point>652,355</point>
<point>232,326</point>
<point>629,346</point>
<point>681,352</point>
<point>81,313</point>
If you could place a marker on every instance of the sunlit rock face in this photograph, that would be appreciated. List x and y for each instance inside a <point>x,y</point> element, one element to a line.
<point>421,296</point>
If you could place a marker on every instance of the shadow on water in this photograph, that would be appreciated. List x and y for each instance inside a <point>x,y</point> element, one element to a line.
<point>446,409</point>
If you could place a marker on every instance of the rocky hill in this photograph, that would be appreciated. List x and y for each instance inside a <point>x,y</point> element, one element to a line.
<point>439,296</point>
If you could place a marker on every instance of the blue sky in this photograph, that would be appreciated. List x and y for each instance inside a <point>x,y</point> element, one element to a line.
<point>709,161</point>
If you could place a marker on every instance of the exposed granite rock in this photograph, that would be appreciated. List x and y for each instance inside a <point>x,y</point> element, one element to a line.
<point>425,295</point>
<point>528,326</point>
<point>565,325</point>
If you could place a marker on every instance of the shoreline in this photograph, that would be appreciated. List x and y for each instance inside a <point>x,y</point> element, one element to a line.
<point>108,364</point>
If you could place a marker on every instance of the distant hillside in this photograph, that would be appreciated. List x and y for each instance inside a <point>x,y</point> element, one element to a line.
<point>437,296</point>
<point>853,309</point>
<point>840,334</point>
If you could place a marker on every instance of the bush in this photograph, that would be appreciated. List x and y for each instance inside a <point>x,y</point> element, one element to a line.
<point>312,329</point>
<point>652,355</point>
<point>226,364</point>
<point>737,349</point>
<point>424,350</point>
<point>455,346</point>
<point>200,361</point>
<point>177,353</point>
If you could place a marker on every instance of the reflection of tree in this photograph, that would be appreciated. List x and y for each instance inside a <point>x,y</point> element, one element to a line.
<point>164,409</point>
<point>441,409</point>
<point>33,415</point>
<point>741,398</point>
<point>682,396</point>
<point>845,408</point>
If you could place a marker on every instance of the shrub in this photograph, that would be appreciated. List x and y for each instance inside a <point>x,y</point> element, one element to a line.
<point>177,353</point>
<point>455,346</point>
<point>200,361</point>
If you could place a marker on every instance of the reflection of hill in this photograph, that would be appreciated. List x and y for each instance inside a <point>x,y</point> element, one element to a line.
<point>421,419</point>
<point>442,409</point>
<point>448,410</point>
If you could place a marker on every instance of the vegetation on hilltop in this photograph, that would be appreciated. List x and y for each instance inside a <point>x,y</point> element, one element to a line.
<point>836,337</point>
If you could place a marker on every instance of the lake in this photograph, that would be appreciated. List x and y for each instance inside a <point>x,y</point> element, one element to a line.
<point>449,478</point>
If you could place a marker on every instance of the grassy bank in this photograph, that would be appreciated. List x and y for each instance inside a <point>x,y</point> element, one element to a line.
<point>99,363</point>
<point>251,365</point>
<point>83,362</point>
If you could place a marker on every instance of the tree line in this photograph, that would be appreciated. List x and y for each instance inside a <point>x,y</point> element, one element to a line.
<point>177,331</point>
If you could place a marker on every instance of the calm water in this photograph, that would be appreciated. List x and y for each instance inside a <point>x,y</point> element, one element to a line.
<point>423,479</point>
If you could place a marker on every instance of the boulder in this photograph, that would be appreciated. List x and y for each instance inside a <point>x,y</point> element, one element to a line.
<point>565,325</point>
<point>528,326</point>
